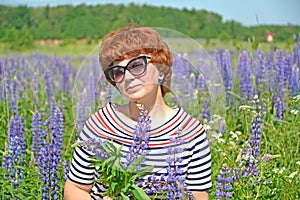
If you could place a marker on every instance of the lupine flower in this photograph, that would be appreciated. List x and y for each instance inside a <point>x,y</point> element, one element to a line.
<point>1,78</point>
<point>244,72</point>
<point>181,71</point>
<point>227,70</point>
<point>35,87</point>
<point>261,72</point>
<point>14,157</point>
<point>297,53</point>
<point>224,184</point>
<point>203,93</point>
<point>48,84</point>
<point>36,127</point>
<point>253,147</point>
<point>141,136</point>
<point>224,65</point>
<point>175,178</point>
<point>280,80</point>
<point>65,164</point>
<point>51,154</point>
<point>65,73</point>
<point>293,76</point>
<point>192,87</point>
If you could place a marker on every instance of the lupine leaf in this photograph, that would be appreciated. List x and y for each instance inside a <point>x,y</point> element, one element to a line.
<point>145,169</point>
<point>113,185</point>
<point>139,193</point>
<point>124,196</point>
<point>133,165</point>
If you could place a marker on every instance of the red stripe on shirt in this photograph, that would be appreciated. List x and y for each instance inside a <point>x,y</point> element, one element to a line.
<point>187,138</point>
<point>153,133</point>
<point>113,118</point>
<point>103,123</point>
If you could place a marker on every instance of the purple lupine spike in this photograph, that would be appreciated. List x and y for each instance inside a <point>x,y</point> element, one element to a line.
<point>293,83</point>
<point>51,154</point>
<point>13,100</point>
<point>91,92</point>
<point>60,124</point>
<point>35,128</point>
<point>261,72</point>
<point>141,136</point>
<point>279,93</point>
<point>181,71</point>
<point>174,183</point>
<point>204,96</point>
<point>298,53</point>
<point>244,72</point>
<point>65,72</point>
<point>224,184</point>
<point>1,78</point>
<point>14,158</point>
<point>44,168</point>
<point>192,87</point>
<point>35,87</point>
<point>65,165</point>
<point>48,84</point>
<point>55,154</point>
<point>227,71</point>
<point>22,139</point>
<point>218,59</point>
<point>253,148</point>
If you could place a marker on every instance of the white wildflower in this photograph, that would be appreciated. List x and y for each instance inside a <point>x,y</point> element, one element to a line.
<point>294,111</point>
<point>234,135</point>
<point>281,170</point>
<point>232,143</point>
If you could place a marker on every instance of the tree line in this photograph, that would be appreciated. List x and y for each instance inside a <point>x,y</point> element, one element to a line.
<point>25,24</point>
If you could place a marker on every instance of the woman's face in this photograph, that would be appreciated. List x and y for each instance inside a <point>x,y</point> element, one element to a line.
<point>139,87</point>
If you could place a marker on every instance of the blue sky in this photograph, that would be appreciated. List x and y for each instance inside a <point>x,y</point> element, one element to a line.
<point>249,12</point>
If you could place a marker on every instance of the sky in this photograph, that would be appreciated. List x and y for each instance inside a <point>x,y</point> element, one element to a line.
<point>246,12</point>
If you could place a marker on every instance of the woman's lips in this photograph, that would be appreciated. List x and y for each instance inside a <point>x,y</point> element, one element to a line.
<point>133,88</point>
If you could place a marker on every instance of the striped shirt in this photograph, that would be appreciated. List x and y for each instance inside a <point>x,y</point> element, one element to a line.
<point>105,123</point>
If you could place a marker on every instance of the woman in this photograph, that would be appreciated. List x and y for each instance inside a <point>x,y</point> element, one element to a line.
<point>138,63</point>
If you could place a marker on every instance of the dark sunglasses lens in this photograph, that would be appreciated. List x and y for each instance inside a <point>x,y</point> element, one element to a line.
<point>117,74</point>
<point>137,66</point>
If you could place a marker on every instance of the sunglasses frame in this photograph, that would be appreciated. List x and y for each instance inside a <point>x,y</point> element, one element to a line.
<point>107,71</point>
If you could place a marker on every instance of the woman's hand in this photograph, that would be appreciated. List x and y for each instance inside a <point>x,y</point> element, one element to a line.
<point>107,198</point>
<point>75,191</point>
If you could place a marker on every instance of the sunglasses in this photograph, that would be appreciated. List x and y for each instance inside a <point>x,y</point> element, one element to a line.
<point>137,66</point>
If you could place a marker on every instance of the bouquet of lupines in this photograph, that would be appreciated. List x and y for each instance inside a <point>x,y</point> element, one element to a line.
<point>125,178</point>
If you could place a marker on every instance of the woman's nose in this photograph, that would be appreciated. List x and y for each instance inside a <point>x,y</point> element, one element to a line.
<point>128,76</point>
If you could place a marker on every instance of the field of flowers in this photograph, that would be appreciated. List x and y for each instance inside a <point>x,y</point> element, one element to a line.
<point>255,149</point>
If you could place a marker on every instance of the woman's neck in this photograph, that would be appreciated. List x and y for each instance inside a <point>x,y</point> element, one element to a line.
<point>157,109</point>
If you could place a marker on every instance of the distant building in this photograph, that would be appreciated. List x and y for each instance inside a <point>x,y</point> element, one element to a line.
<point>269,36</point>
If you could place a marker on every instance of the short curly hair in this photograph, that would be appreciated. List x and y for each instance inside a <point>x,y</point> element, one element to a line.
<point>131,41</point>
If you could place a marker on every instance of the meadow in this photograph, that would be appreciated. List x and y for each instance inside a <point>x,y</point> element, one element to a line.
<point>253,125</point>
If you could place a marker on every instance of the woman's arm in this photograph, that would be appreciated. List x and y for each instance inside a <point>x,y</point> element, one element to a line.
<point>75,191</point>
<point>201,195</point>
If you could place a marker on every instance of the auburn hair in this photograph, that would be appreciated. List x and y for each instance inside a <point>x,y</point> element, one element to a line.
<point>131,41</point>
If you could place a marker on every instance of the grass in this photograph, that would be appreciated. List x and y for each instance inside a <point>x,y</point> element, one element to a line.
<point>177,45</point>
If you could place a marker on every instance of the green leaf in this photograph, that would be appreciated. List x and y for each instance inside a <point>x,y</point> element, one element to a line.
<point>113,185</point>
<point>111,146</point>
<point>145,170</point>
<point>133,165</point>
<point>124,196</point>
<point>139,193</point>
